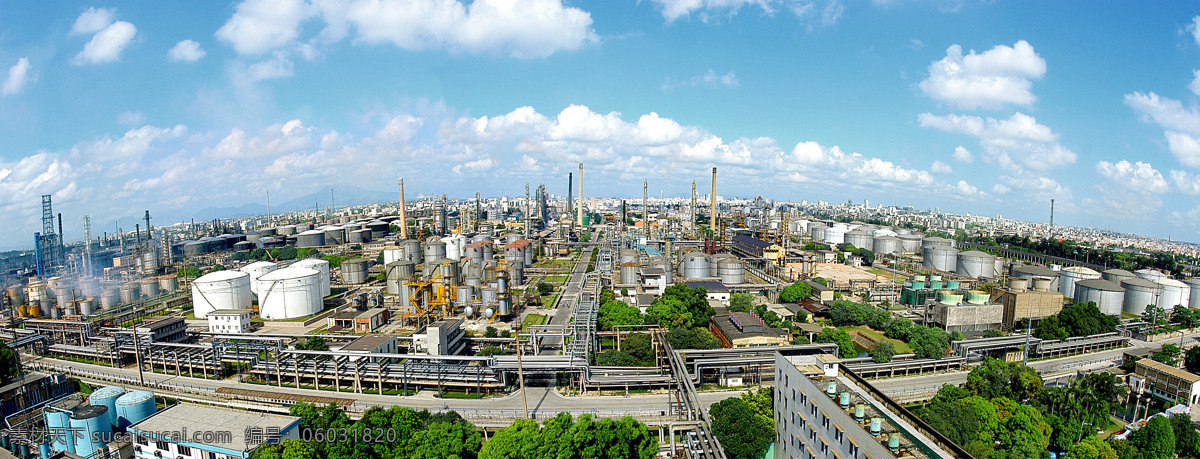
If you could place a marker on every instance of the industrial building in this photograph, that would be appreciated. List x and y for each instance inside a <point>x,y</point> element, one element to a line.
<point>1021,302</point>
<point>246,431</point>
<point>823,410</point>
<point>746,329</point>
<point>371,344</point>
<point>1168,383</point>
<point>976,314</point>
<point>229,321</point>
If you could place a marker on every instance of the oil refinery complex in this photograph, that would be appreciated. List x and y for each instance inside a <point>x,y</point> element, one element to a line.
<point>478,297</point>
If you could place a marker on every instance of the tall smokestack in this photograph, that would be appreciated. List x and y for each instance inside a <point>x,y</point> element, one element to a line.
<point>403,216</point>
<point>645,207</point>
<point>712,217</point>
<point>692,224</point>
<point>579,207</point>
<point>570,191</point>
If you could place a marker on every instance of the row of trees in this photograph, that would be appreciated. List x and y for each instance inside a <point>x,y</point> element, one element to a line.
<point>745,426</point>
<point>1080,319</point>
<point>421,434</point>
<point>1070,249</point>
<point>1004,411</point>
<point>926,342</point>
<point>684,311</point>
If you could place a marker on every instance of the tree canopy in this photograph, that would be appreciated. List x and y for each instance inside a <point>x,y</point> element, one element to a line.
<point>846,347</point>
<point>795,292</point>
<point>742,433</point>
<point>614,313</point>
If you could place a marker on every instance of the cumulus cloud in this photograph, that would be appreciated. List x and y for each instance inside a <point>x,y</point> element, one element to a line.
<point>1186,182</point>
<point>131,118</point>
<point>186,51</point>
<point>531,29</point>
<point>993,79</point>
<point>18,77</point>
<point>709,79</point>
<point>1194,28</point>
<point>92,20</point>
<point>1181,124</point>
<point>1000,189</point>
<point>963,155</point>
<point>965,188</point>
<point>277,66</point>
<point>107,44</point>
<point>1016,143</point>
<point>812,12</point>
<point>939,167</point>
<point>1139,176</point>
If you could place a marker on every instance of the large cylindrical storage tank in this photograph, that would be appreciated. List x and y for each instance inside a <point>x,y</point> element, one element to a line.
<point>412,250</point>
<point>861,239</point>
<point>397,274</point>
<point>359,236</point>
<point>392,255</point>
<point>940,257</point>
<point>1194,296</point>
<point>379,230</point>
<point>1069,276</point>
<point>731,271</point>
<point>695,266</point>
<point>1151,274</point>
<point>89,286</point>
<point>473,252</point>
<point>92,425</point>
<point>887,245</point>
<point>150,262</point>
<point>516,273</point>
<point>220,290</point>
<point>464,295</point>
<point>1109,296</point>
<point>1042,284</point>
<point>629,273</point>
<point>168,283</point>
<point>64,295</point>
<point>110,298</point>
<point>817,231</point>
<point>265,232</point>
<point>1033,271</point>
<point>150,288</point>
<point>835,235</point>
<point>58,425</point>
<point>1174,293</point>
<point>321,266</point>
<point>434,251</point>
<point>130,293</point>
<point>354,271</point>
<point>1139,293</point>
<point>1117,275</point>
<point>290,292</point>
<point>17,294</point>
<point>627,256</point>
<point>133,407</point>
<point>513,252</point>
<point>527,248</point>
<point>976,264</point>
<point>488,296</point>
<point>453,247</point>
<point>503,294</point>
<point>86,306</point>
<point>335,235</point>
<point>256,270</point>
<point>446,270</point>
<point>311,238</point>
<point>107,396</point>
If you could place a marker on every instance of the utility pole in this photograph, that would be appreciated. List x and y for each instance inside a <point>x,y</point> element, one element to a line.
<point>521,375</point>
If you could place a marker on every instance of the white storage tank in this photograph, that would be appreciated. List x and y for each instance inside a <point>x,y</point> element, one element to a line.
<point>939,257</point>
<point>256,270</point>
<point>434,250</point>
<point>320,265</point>
<point>835,235</point>
<point>1152,275</point>
<point>290,292</point>
<point>695,265</point>
<point>861,239</point>
<point>731,271</point>
<point>1194,296</point>
<point>1109,296</point>
<point>1069,276</point>
<point>412,250</point>
<point>397,274</point>
<point>1032,271</point>
<point>1139,293</point>
<point>1117,275</point>
<point>220,290</point>
<point>168,283</point>
<point>976,264</point>
<point>887,245</point>
<point>310,238</point>
<point>629,273</point>
<point>816,231</point>
<point>392,255</point>
<point>910,243</point>
<point>354,271</point>
<point>1174,293</point>
<point>454,246</point>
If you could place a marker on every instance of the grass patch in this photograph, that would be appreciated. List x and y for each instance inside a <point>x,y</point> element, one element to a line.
<point>1114,425</point>
<point>555,280</point>
<point>533,319</point>
<point>901,346</point>
<point>460,395</point>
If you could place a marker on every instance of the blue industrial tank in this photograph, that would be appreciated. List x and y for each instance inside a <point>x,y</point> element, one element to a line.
<point>58,416</point>
<point>133,407</point>
<point>91,428</point>
<point>107,396</point>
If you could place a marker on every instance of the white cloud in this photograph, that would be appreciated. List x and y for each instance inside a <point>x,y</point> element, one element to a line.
<point>812,12</point>
<point>963,155</point>
<point>1166,112</point>
<point>1194,28</point>
<point>131,146</point>
<point>1017,143</point>
<point>278,66</point>
<point>131,118</point>
<point>993,79</point>
<point>966,188</point>
<point>18,77</point>
<point>186,51</point>
<point>1139,176</point>
<point>93,20</point>
<point>708,79</point>
<point>529,29</point>
<point>107,44</point>
<point>939,167</point>
<point>1186,182</point>
<point>1194,86</point>
<point>1035,186</point>
<point>1000,189</point>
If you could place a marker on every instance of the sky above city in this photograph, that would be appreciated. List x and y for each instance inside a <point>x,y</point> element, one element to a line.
<point>992,108</point>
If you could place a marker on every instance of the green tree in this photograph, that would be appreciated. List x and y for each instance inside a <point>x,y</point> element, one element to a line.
<point>795,293</point>
<point>821,280</point>
<point>490,332</point>
<point>10,364</point>
<point>1092,447</point>
<point>190,272</point>
<point>928,343</point>
<point>490,350</point>
<point>741,302</point>
<point>1050,328</point>
<point>313,343</point>
<point>882,352</point>
<point>669,313</point>
<point>544,288</point>
<point>1169,354</point>
<point>1187,439</point>
<point>457,440</point>
<point>742,433</point>
<point>1155,440</point>
<point>699,338</point>
<point>1191,360</point>
<point>295,448</point>
<point>846,348</point>
<point>997,378</point>
<point>1185,316</point>
<point>614,313</point>
<point>615,358</point>
<point>519,440</point>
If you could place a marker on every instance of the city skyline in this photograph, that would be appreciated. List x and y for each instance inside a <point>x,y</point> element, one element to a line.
<point>118,107</point>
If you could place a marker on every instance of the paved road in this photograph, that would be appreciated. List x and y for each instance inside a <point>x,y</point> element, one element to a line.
<point>566,302</point>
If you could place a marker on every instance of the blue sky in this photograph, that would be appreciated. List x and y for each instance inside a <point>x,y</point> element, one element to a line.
<point>982,107</point>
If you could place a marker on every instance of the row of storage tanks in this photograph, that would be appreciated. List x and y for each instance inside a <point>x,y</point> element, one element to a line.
<point>296,290</point>
<point>85,430</point>
<point>1115,291</point>
<point>878,239</point>
<point>697,265</point>
<point>302,235</point>
<point>466,265</point>
<point>58,296</point>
